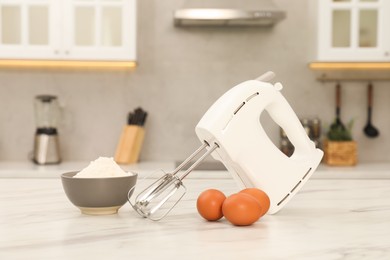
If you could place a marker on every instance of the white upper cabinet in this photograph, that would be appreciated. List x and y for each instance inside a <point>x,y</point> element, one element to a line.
<point>27,29</point>
<point>354,30</point>
<point>68,29</point>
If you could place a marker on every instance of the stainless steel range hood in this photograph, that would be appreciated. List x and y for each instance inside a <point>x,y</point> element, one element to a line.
<point>228,13</point>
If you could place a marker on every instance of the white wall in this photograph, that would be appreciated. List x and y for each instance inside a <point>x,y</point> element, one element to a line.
<point>181,73</point>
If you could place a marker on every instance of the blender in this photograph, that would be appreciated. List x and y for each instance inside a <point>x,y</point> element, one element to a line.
<point>46,143</point>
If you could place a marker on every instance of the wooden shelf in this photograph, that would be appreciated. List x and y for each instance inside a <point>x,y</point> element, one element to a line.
<point>67,64</point>
<point>351,71</point>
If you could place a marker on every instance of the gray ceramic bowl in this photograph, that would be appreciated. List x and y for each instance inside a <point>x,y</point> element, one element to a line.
<point>98,196</point>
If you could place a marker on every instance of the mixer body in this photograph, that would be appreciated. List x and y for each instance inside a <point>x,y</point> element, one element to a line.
<point>233,123</point>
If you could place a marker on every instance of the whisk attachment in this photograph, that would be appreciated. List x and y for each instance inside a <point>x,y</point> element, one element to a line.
<point>157,200</point>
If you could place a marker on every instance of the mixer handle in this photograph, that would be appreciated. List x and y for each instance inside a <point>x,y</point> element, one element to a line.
<point>266,77</point>
<point>282,114</point>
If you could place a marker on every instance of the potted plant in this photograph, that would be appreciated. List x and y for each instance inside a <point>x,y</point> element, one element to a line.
<point>340,149</point>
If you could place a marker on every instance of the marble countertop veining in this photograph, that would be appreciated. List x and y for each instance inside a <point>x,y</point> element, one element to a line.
<point>328,219</point>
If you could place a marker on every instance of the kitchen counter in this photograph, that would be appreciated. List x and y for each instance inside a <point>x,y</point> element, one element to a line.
<point>328,219</point>
<point>28,169</point>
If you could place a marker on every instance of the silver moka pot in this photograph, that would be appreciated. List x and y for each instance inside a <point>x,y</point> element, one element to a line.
<point>46,143</point>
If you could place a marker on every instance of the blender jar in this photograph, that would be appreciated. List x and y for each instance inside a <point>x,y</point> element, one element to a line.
<point>46,142</point>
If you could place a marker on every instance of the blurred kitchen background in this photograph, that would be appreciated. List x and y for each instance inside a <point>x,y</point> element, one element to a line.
<point>180,72</point>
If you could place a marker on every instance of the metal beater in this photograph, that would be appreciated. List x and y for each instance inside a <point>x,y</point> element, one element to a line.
<point>157,200</point>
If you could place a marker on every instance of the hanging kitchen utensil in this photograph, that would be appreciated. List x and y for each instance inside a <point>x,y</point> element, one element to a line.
<point>370,130</point>
<point>337,130</point>
<point>338,122</point>
<point>231,132</point>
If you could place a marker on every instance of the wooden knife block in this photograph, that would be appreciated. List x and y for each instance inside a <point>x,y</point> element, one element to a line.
<point>130,144</point>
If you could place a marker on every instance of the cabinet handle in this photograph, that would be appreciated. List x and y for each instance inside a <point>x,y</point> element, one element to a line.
<point>387,53</point>
<point>67,52</point>
<point>56,52</point>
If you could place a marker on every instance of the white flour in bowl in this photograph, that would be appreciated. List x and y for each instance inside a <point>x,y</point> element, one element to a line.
<point>102,167</point>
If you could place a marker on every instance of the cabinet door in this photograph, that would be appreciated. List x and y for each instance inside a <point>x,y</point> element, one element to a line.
<point>28,29</point>
<point>99,30</point>
<point>354,30</point>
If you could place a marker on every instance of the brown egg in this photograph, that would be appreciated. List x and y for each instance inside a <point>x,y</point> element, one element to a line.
<point>209,204</point>
<point>241,209</point>
<point>261,197</point>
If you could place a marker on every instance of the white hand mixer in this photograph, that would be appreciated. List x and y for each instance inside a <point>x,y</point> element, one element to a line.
<point>232,133</point>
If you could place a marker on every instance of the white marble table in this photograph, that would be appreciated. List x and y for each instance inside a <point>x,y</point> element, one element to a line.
<point>328,219</point>
<point>27,169</point>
